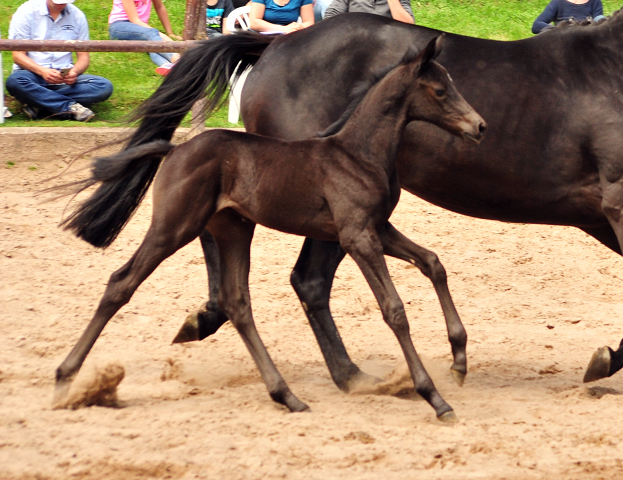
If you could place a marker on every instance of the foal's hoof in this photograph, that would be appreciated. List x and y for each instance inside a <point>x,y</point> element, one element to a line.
<point>459,377</point>
<point>448,417</point>
<point>189,331</point>
<point>61,394</point>
<point>599,366</point>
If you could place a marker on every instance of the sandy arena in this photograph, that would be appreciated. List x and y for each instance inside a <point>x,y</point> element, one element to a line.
<point>536,301</point>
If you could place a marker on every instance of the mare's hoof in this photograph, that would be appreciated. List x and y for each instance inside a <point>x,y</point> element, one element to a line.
<point>189,331</point>
<point>599,366</point>
<point>459,377</point>
<point>448,417</point>
<point>299,407</point>
<point>358,382</point>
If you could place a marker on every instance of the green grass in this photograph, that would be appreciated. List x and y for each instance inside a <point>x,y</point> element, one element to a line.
<point>132,74</point>
<point>134,78</point>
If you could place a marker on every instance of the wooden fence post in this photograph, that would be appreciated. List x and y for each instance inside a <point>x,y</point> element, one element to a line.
<point>192,21</point>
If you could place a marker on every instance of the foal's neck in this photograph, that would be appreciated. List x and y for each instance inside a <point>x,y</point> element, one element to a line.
<point>373,132</point>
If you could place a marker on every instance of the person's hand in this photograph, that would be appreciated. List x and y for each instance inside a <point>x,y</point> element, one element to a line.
<point>293,27</point>
<point>165,37</point>
<point>52,76</point>
<point>71,77</point>
<point>176,37</point>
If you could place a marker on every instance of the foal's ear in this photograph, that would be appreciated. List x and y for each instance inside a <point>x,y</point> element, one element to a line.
<point>431,51</point>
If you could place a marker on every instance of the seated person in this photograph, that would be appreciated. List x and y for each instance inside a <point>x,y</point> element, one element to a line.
<point>280,16</point>
<point>397,9</point>
<point>320,6</point>
<point>128,21</point>
<point>49,83</point>
<point>217,12</point>
<point>559,10</point>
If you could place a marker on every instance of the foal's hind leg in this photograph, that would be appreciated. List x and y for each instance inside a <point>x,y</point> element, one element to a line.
<point>233,236</point>
<point>397,245</point>
<point>157,246</point>
<point>366,249</point>
<point>207,320</point>
<point>312,279</point>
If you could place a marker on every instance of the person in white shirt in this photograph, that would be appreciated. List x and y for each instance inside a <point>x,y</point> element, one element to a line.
<point>50,83</point>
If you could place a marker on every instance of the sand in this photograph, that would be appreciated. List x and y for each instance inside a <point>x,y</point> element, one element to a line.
<point>536,301</point>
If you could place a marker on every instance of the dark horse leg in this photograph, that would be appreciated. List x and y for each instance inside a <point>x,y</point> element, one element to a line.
<point>156,247</point>
<point>210,318</point>
<point>233,236</point>
<point>367,250</point>
<point>605,362</point>
<point>397,245</point>
<point>312,279</point>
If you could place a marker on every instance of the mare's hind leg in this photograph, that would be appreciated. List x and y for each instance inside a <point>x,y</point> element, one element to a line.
<point>397,245</point>
<point>158,244</point>
<point>233,235</point>
<point>312,279</point>
<point>207,320</point>
<point>366,249</point>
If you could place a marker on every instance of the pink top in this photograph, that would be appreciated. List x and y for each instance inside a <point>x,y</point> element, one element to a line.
<point>143,8</point>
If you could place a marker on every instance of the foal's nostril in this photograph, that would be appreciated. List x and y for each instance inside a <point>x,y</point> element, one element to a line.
<point>481,128</point>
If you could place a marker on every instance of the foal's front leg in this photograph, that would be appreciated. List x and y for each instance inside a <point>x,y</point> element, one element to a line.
<point>395,244</point>
<point>233,235</point>
<point>366,249</point>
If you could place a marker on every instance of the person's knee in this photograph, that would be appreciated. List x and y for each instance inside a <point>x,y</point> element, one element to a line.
<point>16,82</point>
<point>103,89</point>
<point>12,84</point>
<point>106,89</point>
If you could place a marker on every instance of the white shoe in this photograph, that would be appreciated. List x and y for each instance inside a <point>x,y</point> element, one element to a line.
<point>81,113</point>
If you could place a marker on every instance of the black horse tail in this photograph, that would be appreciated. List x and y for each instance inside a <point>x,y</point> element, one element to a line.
<point>203,70</point>
<point>206,69</point>
<point>100,219</point>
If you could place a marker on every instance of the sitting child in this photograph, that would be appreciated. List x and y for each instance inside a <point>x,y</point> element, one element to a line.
<point>217,12</point>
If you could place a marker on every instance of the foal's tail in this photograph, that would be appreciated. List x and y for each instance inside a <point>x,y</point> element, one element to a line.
<point>102,217</point>
<point>203,70</point>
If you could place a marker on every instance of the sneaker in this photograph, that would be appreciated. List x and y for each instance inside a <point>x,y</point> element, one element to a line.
<point>31,112</point>
<point>164,69</point>
<point>81,113</point>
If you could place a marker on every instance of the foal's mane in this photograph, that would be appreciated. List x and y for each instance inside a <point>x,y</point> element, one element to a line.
<point>361,89</point>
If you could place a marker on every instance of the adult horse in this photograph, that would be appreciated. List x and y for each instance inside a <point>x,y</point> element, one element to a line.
<point>553,104</point>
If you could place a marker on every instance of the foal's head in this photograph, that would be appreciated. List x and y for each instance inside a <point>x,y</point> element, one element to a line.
<point>433,98</point>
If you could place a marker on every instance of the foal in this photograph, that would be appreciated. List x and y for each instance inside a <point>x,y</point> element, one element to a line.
<point>339,187</point>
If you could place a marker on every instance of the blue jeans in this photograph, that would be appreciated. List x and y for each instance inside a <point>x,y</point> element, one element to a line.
<point>33,90</point>
<point>126,30</point>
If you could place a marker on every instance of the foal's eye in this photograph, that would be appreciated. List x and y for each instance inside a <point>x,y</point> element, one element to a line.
<point>440,92</point>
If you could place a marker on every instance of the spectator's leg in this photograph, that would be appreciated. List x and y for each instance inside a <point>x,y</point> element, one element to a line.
<point>130,31</point>
<point>31,89</point>
<point>88,89</point>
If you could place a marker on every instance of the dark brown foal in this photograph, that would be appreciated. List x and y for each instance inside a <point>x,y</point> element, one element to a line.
<point>341,187</point>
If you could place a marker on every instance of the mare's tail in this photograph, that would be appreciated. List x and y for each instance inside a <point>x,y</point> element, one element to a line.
<point>203,70</point>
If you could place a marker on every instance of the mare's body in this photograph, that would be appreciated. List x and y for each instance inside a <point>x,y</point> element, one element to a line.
<point>553,154</point>
<point>340,188</point>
